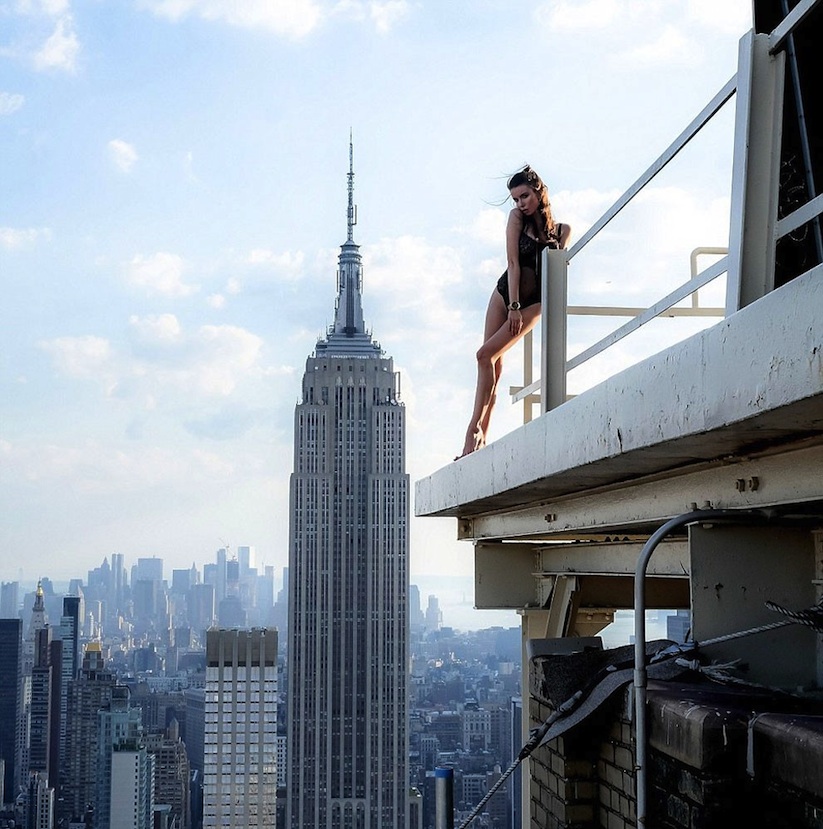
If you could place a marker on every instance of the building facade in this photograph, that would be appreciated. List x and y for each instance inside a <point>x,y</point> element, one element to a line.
<point>172,772</point>
<point>11,665</point>
<point>132,787</point>
<point>348,578</point>
<point>87,695</point>
<point>240,745</point>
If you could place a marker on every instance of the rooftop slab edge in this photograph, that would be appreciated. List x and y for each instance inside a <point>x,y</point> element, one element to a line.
<point>756,376</point>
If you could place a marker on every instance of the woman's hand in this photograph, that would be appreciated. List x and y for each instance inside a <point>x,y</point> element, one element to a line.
<point>515,322</point>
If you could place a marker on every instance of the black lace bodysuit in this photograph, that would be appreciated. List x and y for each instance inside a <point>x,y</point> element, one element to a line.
<point>529,249</point>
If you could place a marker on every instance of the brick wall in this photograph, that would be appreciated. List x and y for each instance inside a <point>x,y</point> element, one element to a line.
<point>714,762</point>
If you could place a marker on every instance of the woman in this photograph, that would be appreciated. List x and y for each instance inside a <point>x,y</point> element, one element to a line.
<point>514,307</point>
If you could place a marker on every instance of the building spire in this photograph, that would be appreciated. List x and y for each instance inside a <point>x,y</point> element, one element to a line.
<point>352,211</point>
<point>348,335</point>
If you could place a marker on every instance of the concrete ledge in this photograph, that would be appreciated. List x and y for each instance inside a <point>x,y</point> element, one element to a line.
<point>738,731</point>
<point>790,749</point>
<point>705,731</point>
<point>752,380</point>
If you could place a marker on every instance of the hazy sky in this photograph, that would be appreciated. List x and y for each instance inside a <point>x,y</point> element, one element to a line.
<point>173,198</point>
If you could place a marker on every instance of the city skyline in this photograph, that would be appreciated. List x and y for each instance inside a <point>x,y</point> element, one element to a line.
<point>172,263</point>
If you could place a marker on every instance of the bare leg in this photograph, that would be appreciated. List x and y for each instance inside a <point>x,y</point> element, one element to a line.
<point>486,417</point>
<point>497,339</point>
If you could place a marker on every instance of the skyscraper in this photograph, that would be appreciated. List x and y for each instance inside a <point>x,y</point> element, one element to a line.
<point>240,743</point>
<point>348,577</point>
<point>132,786</point>
<point>119,727</point>
<point>91,691</point>
<point>44,734</point>
<point>9,599</point>
<point>171,773</point>
<point>11,666</point>
<point>70,636</point>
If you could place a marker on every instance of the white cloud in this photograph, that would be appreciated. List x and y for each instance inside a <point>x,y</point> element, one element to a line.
<point>224,352</point>
<point>286,261</point>
<point>290,18</point>
<point>670,47</point>
<point>50,8</point>
<point>61,48</point>
<point>160,273</point>
<point>82,357</point>
<point>216,301</point>
<point>383,14</point>
<point>577,15</point>
<point>10,102</point>
<point>729,17</point>
<point>122,154</point>
<point>160,328</point>
<point>489,226</point>
<point>288,265</point>
<point>387,15</point>
<point>165,367</point>
<point>14,238</point>
<point>414,288</point>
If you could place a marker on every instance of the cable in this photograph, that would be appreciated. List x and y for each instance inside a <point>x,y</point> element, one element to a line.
<point>535,738</point>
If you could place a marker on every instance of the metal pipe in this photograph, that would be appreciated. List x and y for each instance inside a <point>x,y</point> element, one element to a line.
<point>641,762</point>
<point>443,798</point>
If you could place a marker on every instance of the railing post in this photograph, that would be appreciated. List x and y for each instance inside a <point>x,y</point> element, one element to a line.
<point>443,798</point>
<point>755,172</point>
<point>554,277</point>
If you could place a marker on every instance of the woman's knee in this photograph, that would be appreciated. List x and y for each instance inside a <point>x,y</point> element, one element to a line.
<point>483,356</point>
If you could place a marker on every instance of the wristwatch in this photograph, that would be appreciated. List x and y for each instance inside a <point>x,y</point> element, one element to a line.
<point>514,306</point>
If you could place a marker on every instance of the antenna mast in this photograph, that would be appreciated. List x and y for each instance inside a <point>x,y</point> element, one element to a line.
<point>352,212</point>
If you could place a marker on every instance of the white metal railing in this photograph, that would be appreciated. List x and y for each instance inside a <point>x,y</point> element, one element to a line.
<point>749,264</point>
<point>555,304</point>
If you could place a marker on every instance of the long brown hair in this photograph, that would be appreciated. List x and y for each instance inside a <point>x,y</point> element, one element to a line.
<point>530,178</point>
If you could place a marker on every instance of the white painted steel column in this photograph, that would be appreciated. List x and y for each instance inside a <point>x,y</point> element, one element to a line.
<point>554,277</point>
<point>755,172</point>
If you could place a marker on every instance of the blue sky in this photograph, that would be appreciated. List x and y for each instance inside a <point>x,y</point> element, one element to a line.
<point>173,198</point>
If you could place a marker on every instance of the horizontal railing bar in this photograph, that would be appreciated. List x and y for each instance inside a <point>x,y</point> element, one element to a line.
<point>522,391</point>
<point>530,393</point>
<point>799,217</point>
<point>703,278</point>
<point>606,311</point>
<point>673,149</point>
<point>789,23</point>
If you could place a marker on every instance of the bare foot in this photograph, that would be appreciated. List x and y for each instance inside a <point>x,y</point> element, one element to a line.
<point>474,441</point>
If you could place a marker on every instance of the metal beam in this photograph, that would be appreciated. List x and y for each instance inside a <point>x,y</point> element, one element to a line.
<point>755,482</point>
<point>799,217</point>
<point>789,23</point>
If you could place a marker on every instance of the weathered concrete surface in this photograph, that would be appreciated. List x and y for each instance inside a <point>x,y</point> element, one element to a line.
<point>739,731</point>
<point>790,749</point>
<point>752,381</point>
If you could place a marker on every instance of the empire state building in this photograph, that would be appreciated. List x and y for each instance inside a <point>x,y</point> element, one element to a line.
<point>348,577</point>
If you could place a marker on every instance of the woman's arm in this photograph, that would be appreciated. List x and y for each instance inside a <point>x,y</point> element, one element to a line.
<point>514,227</point>
<point>564,233</point>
